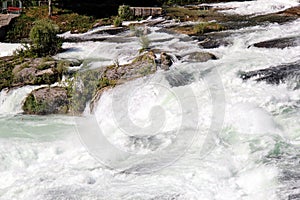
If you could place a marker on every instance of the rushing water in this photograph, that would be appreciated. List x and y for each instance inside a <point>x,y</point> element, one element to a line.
<point>255,155</point>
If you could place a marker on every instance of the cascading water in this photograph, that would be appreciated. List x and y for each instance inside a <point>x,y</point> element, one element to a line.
<point>255,155</point>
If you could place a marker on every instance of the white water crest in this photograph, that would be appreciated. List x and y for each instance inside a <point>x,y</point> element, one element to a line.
<point>7,49</point>
<point>11,100</point>
<point>256,7</point>
<point>254,156</point>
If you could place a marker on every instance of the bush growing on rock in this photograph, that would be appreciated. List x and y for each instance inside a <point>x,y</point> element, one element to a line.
<point>125,13</point>
<point>6,76</point>
<point>118,21</point>
<point>44,39</point>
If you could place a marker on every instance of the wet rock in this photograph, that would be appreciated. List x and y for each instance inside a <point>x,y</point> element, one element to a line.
<point>47,100</point>
<point>279,43</point>
<point>209,44</point>
<point>165,61</point>
<point>276,75</point>
<point>213,40</point>
<point>97,96</point>
<point>294,11</point>
<point>141,66</point>
<point>116,74</point>
<point>201,57</point>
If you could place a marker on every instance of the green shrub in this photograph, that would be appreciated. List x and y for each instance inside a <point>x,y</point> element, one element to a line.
<point>19,28</point>
<point>74,22</point>
<point>6,75</point>
<point>125,13</point>
<point>118,21</point>
<point>44,39</point>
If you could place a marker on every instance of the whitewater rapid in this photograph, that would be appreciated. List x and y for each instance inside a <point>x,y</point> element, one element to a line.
<point>256,7</point>
<point>254,156</point>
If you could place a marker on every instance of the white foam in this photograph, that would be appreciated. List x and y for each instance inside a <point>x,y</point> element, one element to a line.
<point>258,7</point>
<point>7,49</point>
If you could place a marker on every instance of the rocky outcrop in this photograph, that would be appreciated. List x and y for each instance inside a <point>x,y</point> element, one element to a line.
<point>96,82</point>
<point>47,100</point>
<point>142,65</point>
<point>36,72</point>
<point>16,72</point>
<point>276,75</point>
<point>201,57</point>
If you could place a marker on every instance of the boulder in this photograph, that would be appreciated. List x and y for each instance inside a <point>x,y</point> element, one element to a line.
<point>201,57</point>
<point>47,100</point>
<point>165,61</point>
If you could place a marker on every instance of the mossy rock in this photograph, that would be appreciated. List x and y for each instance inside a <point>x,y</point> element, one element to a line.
<point>47,100</point>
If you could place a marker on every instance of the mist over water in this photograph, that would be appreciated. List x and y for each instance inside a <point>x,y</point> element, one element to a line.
<point>255,155</point>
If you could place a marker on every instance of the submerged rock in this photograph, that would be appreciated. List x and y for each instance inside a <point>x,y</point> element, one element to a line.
<point>279,43</point>
<point>47,100</point>
<point>276,75</point>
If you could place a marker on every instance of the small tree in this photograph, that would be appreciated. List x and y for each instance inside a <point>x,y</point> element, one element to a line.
<point>125,13</point>
<point>117,21</point>
<point>44,39</point>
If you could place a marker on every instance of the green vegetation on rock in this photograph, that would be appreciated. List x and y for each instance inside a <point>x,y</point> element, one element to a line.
<point>47,100</point>
<point>117,21</point>
<point>44,39</point>
<point>6,75</point>
<point>206,27</point>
